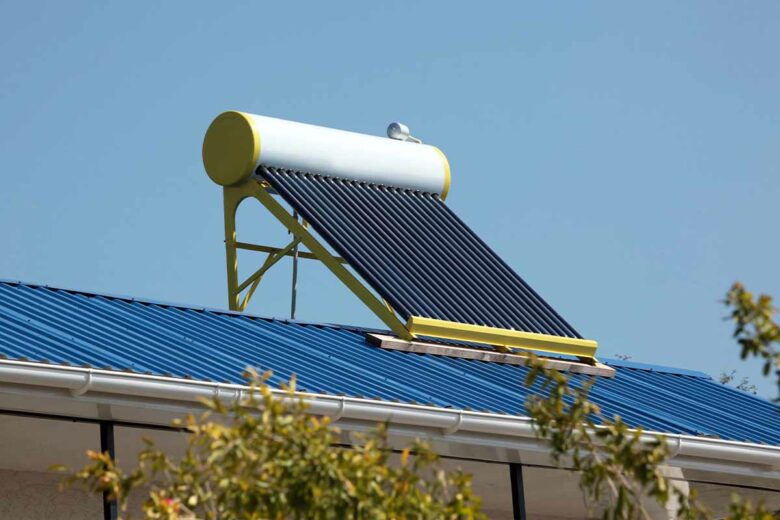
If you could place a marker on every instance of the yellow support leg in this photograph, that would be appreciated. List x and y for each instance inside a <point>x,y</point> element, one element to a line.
<point>232,197</point>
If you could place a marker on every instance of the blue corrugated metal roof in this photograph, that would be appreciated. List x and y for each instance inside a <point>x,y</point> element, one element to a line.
<point>416,253</point>
<point>45,324</point>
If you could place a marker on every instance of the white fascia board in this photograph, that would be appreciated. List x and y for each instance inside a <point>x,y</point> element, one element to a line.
<point>509,438</point>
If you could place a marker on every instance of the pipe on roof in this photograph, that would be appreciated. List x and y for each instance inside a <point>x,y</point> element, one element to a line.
<point>696,452</point>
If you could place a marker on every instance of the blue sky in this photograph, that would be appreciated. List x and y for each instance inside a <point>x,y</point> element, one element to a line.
<point>622,158</point>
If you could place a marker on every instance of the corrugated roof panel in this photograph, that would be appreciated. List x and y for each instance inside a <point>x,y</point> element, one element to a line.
<point>77,328</point>
<point>416,253</point>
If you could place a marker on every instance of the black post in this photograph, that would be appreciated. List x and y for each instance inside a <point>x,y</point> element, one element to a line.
<point>107,445</point>
<point>518,493</point>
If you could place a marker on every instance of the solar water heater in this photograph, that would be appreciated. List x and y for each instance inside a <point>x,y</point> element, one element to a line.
<point>383,228</point>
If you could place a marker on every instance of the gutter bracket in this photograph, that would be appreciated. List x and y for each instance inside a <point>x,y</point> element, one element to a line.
<point>340,412</point>
<point>76,392</point>
<point>455,427</point>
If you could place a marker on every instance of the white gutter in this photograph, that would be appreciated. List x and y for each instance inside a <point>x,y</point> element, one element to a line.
<point>488,428</point>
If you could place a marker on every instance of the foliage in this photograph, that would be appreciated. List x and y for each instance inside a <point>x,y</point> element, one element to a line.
<point>755,329</point>
<point>266,457</point>
<point>727,378</point>
<point>743,509</point>
<point>610,457</point>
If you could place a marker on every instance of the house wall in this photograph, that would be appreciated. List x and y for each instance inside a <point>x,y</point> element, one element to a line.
<point>29,491</point>
<point>28,447</point>
<point>34,495</point>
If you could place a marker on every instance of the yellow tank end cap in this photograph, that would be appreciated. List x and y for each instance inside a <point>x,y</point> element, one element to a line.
<point>231,148</point>
<point>447,174</point>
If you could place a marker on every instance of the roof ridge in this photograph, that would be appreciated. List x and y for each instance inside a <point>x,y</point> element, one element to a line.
<point>180,305</point>
<point>652,367</point>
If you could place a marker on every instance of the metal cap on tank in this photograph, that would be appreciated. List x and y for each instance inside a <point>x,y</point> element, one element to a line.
<point>231,148</point>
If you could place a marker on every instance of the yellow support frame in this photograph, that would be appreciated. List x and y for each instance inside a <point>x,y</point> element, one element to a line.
<point>416,325</point>
<point>269,249</point>
<point>233,196</point>
<point>583,348</point>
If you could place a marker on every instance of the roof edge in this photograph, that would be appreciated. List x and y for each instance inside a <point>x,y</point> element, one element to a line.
<point>734,457</point>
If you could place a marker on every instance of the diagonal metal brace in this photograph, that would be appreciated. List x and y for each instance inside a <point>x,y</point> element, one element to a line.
<point>253,188</point>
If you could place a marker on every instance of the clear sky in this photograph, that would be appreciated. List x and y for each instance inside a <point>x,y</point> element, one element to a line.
<point>622,158</point>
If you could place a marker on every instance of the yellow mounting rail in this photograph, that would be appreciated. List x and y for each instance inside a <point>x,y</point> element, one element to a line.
<point>419,326</point>
<point>415,326</point>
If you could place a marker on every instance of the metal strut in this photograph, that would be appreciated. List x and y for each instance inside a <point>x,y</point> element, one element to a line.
<point>233,196</point>
<point>294,288</point>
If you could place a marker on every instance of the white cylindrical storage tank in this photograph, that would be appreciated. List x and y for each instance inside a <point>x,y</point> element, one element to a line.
<point>236,143</point>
